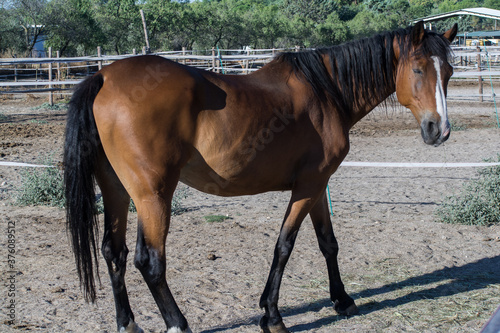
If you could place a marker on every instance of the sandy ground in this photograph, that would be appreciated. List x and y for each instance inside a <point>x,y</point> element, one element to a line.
<point>407,272</point>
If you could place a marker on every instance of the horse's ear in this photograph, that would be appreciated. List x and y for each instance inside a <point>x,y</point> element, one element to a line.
<point>417,33</point>
<point>452,33</point>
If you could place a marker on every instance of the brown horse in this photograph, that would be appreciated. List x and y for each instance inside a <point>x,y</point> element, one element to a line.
<point>142,124</point>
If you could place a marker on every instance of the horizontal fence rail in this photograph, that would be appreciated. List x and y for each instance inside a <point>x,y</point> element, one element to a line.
<point>59,74</point>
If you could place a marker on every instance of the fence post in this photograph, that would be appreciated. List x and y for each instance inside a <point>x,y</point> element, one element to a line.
<point>184,54</point>
<point>58,55</point>
<point>99,62</point>
<point>15,70</point>
<point>51,93</point>
<point>480,78</point>
<point>145,31</point>
<point>247,61</point>
<point>213,59</point>
<point>143,50</point>
<point>134,52</point>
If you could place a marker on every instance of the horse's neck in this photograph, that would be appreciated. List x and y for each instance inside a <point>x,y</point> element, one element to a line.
<point>368,91</point>
<point>359,113</point>
<point>366,104</point>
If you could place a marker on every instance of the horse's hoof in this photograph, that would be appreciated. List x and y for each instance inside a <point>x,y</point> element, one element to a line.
<point>132,327</point>
<point>278,328</point>
<point>178,330</point>
<point>346,310</point>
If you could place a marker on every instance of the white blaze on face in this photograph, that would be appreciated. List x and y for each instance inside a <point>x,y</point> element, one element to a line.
<point>441,107</point>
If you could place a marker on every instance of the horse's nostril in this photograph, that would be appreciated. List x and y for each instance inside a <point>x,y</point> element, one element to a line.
<point>430,131</point>
<point>430,127</point>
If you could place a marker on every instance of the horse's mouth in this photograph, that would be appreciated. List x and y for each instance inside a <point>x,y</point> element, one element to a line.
<point>434,133</point>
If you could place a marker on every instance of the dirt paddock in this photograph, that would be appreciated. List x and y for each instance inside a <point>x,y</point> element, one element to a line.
<point>407,272</point>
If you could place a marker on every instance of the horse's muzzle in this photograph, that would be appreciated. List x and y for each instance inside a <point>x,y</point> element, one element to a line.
<point>434,133</point>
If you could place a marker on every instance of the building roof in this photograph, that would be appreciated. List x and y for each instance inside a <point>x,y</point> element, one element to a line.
<point>482,34</point>
<point>480,11</point>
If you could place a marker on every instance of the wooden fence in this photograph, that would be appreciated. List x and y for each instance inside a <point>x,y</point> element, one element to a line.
<point>57,74</point>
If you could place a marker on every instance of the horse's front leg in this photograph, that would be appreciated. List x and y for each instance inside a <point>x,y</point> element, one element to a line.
<point>299,206</point>
<point>328,245</point>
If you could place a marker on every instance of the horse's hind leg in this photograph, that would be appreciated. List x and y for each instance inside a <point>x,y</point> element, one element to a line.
<point>116,203</point>
<point>154,210</point>
<point>328,245</point>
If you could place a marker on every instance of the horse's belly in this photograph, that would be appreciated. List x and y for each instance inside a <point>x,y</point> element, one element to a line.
<point>226,179</point>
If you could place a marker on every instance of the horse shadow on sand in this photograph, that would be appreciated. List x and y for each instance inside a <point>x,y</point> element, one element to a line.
<point>472,276</point>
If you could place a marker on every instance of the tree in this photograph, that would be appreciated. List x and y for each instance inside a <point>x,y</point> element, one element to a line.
<point>265,26</point>
<point>166,23</point>
<point>71,25</point>
<point>332,31</point>
<point>121,23</point>
<point>11,35</point>
<point>30,15</point>
<point>367,23</point>
<point>316,10</point>
<point>222,23</point>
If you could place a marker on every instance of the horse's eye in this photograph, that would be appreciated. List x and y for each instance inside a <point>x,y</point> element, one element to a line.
<point>417,71</point>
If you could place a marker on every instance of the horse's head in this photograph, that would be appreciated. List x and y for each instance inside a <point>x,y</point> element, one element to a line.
<point>422,78</point>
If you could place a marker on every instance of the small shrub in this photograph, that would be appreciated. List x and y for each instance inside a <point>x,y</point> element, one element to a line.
<point>3,117</point>
<point>179,194</point>
<point>45,187</point>
<point>42,186</point>
<point>457,126</point>
<point>477,204</point>
<point>216,218</point>
<point>54,107</point>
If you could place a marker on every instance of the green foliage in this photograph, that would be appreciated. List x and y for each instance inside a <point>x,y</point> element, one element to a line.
<point>367,23</point>
<point>54,107</point>
<point>45,187</point>
<point>77,27</point>
<point>3,117</point>
<point>180,194</point>
<point>316,10</point>
<point>478,202</point>
<point>331,32</point>
<point>72,25</point>
<point>11,41</point>
<point>121,23</point>
<point>457,126</point>
<point>216,218</point>
<point>42,186</point>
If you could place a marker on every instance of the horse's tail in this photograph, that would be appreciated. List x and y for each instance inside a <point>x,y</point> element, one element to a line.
<point>80,157</point>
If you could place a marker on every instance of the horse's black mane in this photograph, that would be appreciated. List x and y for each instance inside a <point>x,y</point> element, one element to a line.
<point>362,68</point>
